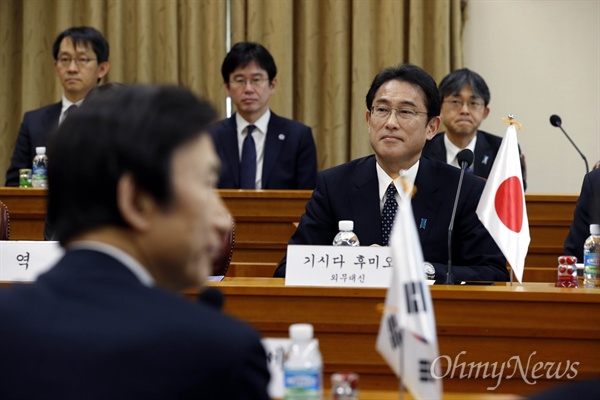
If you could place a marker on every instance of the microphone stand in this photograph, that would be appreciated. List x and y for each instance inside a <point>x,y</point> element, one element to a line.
<point>449,276</point>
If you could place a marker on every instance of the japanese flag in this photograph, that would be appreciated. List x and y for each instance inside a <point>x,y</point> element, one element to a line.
<point>502,207</point>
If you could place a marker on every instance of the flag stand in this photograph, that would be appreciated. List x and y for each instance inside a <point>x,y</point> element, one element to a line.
<point>511,275</point>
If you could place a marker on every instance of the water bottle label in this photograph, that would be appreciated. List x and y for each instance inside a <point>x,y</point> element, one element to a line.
<point>302,383</point>
<point>591,263</point>
<point>40,171</point>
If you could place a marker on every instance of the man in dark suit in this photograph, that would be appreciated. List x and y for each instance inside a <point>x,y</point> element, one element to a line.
<point>278,153</point>
<point>587,212</point>
<point>132,200</point>
<point>465,104</point>
<point>402,114</point>
<point>80,62</point>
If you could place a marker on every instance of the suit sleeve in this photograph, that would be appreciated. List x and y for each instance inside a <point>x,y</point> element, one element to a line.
<point>21,157</point>
<point>307,161</point>
<point>251,378</point>
<point>476,257</point>
<point>318,225</point>
<point>582,218</point>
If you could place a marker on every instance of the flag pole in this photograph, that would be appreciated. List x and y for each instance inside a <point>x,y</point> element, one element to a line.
<point>400,380</point>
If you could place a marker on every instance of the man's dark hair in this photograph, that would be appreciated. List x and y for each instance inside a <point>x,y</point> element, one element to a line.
<point>242,54</point>
<point>128,130</point>
<point>453,83</point>
<point>411,74</point>
<point>84,35</point>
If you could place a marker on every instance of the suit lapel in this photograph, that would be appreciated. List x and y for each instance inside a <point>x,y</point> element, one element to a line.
<point>364,201</point>
<point>484,157</point>
<point>230,148</point>
<point>276,136</point>
<point>50,119</point>
<point>426,202</point>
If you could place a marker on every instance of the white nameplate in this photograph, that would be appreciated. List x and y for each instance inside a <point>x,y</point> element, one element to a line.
<point>339,266</point>
<point>276,349</point>
<point>23,261</point>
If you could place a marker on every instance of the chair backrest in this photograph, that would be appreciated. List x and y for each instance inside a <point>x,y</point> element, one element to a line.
<point>4,222</point>
<point>221,263</point>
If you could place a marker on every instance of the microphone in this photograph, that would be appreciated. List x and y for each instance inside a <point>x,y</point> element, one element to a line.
<point>465,159</point>
<point>212,297</point>
<point>556,121</point>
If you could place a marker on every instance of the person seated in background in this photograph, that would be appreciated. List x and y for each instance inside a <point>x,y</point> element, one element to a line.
<point>587,212</point>
<point>465,104</point>
<point>131,197</point>
<point>402,113</point>
<point>259,149</point>
<point>80,62</point>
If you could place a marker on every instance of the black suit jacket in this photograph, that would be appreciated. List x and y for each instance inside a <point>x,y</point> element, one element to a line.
<point>486,149</point>
<point>587,212</point>
<point>34,131</point>
<point>290,157</point>
<point>88,329</point>
<point>351,192</point>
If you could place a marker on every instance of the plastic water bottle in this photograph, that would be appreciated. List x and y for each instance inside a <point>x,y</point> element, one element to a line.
<point>346,237</point>
<point>39,176</point>
<point>591,258</point>
<point>303,365</point>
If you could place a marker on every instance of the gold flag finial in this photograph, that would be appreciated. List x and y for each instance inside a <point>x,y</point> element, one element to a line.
<point>405,186</point>
<point>510,120</point>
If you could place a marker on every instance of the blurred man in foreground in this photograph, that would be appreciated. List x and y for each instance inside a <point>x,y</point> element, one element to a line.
<point>131,199</point>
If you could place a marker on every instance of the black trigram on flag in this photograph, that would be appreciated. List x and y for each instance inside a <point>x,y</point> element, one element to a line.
<point>425,371</point>
<point>415,300</point>
<point>394,331</point>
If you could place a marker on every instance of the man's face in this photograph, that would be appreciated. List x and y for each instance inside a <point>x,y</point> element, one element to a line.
<point>189,232</point>
<point>78,77</point>
<point>398,142</point>
<point>462,113</point>
<point>250,90</point>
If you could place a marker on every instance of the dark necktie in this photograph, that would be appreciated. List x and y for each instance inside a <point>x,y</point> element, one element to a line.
<point>389,213</point>
<point>68,111</point>
<point>248,163</point>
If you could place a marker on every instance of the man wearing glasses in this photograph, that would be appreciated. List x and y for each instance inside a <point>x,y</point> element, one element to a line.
<point>80,62</point>
<point>402,113</point>
<point>259,149</point>
<point>465,104</point>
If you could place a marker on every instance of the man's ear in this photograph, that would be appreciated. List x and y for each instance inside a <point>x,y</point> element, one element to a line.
<point>433,126</point>
<point>135,205</point>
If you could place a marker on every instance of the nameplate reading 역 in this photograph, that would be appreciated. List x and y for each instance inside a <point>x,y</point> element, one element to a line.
<point>339,266</point>
<point>23,261</point>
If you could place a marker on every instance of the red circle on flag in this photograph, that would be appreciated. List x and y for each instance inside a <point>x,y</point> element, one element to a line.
<point>509,203</point>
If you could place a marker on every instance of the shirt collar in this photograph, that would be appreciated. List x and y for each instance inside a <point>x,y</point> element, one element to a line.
<point>261,123</point>
<point>408,175</point>
<point>452,150</point>
<point>131,263</point>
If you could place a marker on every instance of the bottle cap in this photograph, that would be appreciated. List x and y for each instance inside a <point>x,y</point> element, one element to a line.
<point>301,331</point>
<point>40,150</point>
<point>595,229</point>
<point>346,225</point>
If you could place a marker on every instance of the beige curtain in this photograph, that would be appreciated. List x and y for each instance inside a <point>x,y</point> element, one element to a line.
<point>327,52</point>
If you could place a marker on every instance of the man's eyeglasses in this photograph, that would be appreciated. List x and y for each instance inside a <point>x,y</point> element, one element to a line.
<point>383,112</point>
<point>241,82</point>
<point>79,61</point>
<point>473,105</point>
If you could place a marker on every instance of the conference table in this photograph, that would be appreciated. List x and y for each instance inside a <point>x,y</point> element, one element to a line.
<point>540,335</point>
